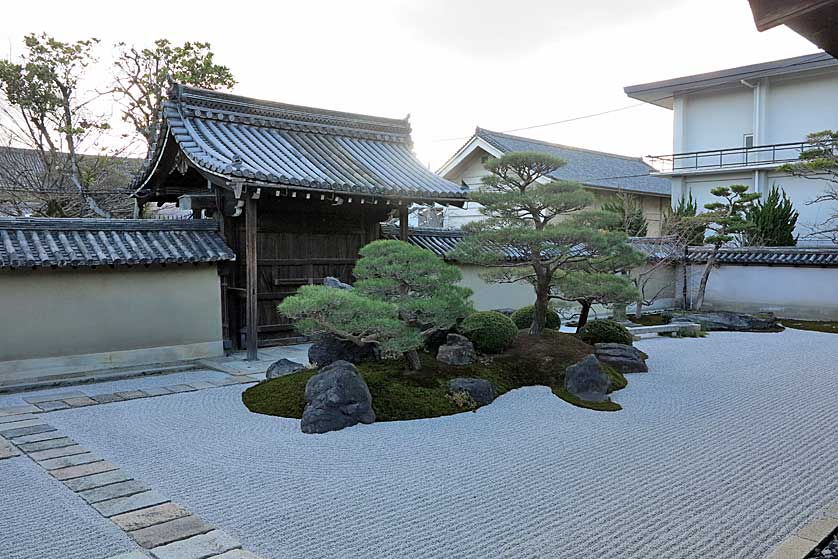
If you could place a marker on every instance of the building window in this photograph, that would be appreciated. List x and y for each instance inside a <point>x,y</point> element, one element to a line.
<point>748,140</point>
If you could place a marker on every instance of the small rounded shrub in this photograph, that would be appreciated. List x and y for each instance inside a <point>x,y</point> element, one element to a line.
<point>523,318</point>
<point>605,331</point>
<point>489,331</point>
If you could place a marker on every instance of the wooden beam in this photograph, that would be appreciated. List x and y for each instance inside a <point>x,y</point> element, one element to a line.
<point>403,223</point>
<point>251,217</point>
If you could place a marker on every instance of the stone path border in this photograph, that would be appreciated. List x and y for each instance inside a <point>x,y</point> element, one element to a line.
<point>78,399</point>
<point>812,535</point>
<point>164,529</point>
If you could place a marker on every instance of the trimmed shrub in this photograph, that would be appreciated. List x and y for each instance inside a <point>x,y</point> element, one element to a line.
<point>604,332</point>
<point>523,318</point>
<point>489,331</point>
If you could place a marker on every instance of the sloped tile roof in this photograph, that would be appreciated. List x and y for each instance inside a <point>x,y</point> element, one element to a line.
<point>769,256</point>
<point>263,142</point>
<point>592,168</point>
<point>47,242</point>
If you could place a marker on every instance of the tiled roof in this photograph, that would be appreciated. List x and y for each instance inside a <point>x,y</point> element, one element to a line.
<point>769,256</point>
<point>592,168</point>
<point>47,242</point>
<point>268,143</point>
<point>443,241</point>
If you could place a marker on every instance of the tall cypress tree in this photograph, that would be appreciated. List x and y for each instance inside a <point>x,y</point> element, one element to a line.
<point>772,221</point>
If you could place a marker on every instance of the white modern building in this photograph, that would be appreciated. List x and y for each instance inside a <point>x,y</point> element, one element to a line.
<point>737,126</point>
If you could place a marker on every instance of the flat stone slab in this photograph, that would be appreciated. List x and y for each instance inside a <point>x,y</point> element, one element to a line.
<point>197,547</point>
<point>224,381</point>
<point>20,424</point>
<point>112,491</point>
<point>7,450</point>
<point>818,530</point>
<point>18,410</point>
<point>22,417</point>
<point>157,391</point>
<point>180,388</point>
<point>81,401</point>
<point>54,396</point>
<point>201,385</point>
<point>49,435</point>
<point>144,518</point>
<point>792,548</point>
<point>54,405</point>
<point>83,470</point>
<point>94,481</point>
<point>57,452</point>
<point>132,555</point>
<point>33,430</point>
<point>128,504</point>
<point>171,531</point>
<point>107,398</point>
<point>65,461</point>
<point>131,394</point>
<point>46,445</point>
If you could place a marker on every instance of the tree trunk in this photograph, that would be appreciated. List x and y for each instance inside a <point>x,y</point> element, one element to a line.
<point>412,358</point>
<point>702,287</point>
<point>638,308</point>
<point>540,309</point>
<point>583,314</point>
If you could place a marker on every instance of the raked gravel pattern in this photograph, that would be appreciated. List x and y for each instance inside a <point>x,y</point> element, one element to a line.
<point>722,450</point>
<point>41,519</point>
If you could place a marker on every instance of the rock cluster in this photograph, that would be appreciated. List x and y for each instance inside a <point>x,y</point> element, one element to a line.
<point>283,367</point>
<point>328,349</point>
<point>336,397</point>
<point>457,350</point>
<point>480,390</point>
<point>624,358</point>
<point>587,381</point>
<point>730,321</point>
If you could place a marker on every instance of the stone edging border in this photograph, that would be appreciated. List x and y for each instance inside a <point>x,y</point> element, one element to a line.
<point>164,529</point>
<point>801,544</point>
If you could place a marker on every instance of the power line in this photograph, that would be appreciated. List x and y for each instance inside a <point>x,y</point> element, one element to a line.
<point>740,75</point>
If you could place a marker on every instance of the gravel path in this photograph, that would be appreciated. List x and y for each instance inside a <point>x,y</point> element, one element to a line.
<point>42,519</point>
<point>719,453</point>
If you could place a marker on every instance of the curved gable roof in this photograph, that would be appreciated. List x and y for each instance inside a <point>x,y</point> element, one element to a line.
<point>239,139</point>
<point>592,168</point>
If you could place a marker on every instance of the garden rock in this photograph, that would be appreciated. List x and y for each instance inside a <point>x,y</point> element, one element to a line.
<point>336,397</point>
<point>328,349</point>
<point>505,311</point>
<point>587,381</point>
<point>730,321</point>
<point>458,350</point>
<point>624,358</point>
<point>480,390</point>
<point>336,283</point>
<point>283,367</point>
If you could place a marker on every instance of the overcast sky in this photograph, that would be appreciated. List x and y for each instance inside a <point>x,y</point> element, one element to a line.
<point>451,64</point>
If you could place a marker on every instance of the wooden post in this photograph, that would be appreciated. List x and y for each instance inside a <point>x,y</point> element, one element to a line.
<point>250,214</point>
<point>403,223</point>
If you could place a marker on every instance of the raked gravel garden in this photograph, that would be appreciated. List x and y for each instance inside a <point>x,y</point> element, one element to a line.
<point>721,450</point>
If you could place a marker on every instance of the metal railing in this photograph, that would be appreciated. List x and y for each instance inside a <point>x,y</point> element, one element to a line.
<point>772,154</point>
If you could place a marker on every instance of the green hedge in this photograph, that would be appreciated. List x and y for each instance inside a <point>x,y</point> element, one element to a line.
<point>489,331</point>
<point>523,318</point>
<point>605,331</point>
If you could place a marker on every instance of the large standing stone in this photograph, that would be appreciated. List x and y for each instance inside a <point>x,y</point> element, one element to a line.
<point>329,349</point>
<point>457,350</point>
<point>730,321</point>
<point>586,380</point>
<point>624,358</point>
<point>283,367</point>
<point>480,390</point>
<point>336,397</point>
<point>336,283</point>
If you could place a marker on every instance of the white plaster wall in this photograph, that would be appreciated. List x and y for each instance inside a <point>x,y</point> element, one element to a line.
<point>717,120</point>
<point>802,191</point>
<point>488,296</point>
<point>799,105</point>
<point>803,293</point>
<point>701,185</point>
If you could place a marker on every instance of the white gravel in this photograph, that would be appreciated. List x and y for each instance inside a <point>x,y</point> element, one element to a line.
<point>723,449</point>
<point>41,519</point>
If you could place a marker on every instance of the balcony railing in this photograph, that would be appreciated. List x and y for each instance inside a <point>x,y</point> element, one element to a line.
<point>773,154</point>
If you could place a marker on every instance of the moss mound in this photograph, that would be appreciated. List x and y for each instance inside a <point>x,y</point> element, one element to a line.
<point>397,395</point>
<point>523,318</point>
<point>604,332</point>
<point>490,331</point>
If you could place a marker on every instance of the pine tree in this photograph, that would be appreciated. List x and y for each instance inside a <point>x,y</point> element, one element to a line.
<point>772,221</point>
<point>629,212</point>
